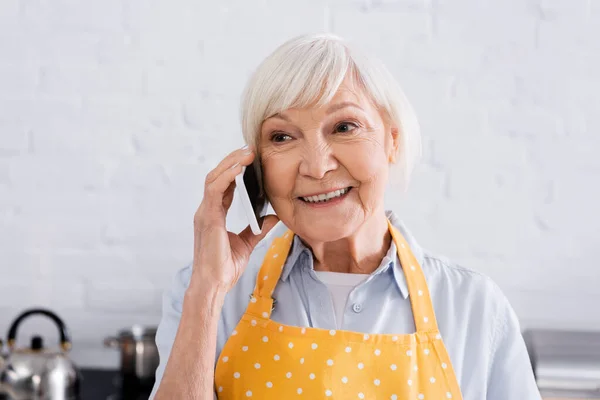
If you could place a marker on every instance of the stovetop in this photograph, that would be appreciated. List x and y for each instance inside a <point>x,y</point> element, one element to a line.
<point>98,384</point>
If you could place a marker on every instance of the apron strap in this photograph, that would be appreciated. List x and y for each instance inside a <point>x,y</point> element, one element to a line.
<point>261,302</point>
<point>418,291</point>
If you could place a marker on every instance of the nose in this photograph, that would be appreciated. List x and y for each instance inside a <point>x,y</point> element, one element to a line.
<point>317,160</point>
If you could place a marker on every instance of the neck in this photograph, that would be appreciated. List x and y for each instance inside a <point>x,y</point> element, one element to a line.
<point>360,253</point>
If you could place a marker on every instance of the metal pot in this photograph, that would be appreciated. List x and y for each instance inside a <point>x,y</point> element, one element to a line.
<point>139,354</point>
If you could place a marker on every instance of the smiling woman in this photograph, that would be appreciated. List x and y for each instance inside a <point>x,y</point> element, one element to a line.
<point>361,310</point>
<point>317,150</point>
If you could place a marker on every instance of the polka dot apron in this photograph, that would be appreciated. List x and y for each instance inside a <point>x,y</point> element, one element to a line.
<point>263,359</point>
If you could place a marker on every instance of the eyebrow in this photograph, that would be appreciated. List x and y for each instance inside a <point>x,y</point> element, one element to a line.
<point>331,109</point>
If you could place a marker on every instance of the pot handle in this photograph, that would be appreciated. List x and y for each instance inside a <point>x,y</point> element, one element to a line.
<point>65,337</point>
<point>111,341</point>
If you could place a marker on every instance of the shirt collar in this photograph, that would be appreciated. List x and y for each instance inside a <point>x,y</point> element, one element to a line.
<point>294,257</point>
<point>390,261</point>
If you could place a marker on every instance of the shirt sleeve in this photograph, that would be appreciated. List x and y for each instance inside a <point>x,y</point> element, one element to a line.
<point>172,305</point>
<point>511,374</point>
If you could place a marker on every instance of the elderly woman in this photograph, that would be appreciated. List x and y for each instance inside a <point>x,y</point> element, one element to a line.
<point>338,300</point>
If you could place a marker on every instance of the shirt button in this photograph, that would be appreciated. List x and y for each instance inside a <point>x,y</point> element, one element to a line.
<point>357,307</point>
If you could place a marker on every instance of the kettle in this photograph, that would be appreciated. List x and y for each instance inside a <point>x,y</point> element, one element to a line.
<point>38,373</point>
<point>1,357</point>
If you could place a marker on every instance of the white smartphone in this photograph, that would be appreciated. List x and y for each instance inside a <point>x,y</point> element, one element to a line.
<point>252,197</point>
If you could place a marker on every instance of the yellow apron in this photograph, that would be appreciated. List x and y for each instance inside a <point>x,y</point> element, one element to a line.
<point>263,359</point>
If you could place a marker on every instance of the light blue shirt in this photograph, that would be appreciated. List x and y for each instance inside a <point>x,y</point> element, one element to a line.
<point>479,327</point>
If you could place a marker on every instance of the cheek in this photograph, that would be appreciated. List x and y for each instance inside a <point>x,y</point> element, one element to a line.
<point>279,175</point>
<point>365,161</point>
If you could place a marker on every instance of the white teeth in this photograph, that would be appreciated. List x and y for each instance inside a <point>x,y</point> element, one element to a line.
<point>325,197</point>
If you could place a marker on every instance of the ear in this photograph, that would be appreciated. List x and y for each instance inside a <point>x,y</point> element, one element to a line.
<point>393,153</point>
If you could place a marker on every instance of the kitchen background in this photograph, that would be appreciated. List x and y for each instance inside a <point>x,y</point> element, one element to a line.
<point>113,111</point>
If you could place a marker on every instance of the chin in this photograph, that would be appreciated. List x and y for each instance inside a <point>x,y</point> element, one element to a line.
<point>323,230</point>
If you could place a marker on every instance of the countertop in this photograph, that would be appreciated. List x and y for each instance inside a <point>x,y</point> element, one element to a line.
<point>98,384</point>
<point>102,384</point>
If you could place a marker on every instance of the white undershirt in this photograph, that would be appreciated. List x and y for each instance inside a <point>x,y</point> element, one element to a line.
<point>340,285</point>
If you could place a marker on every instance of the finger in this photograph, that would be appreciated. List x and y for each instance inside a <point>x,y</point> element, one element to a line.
<point>214,193</point>
<point>252,240</point>
<point>243,156</point>
<point>228,196</point>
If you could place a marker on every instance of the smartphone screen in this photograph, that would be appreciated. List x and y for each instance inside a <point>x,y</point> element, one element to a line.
<point>257,196</point>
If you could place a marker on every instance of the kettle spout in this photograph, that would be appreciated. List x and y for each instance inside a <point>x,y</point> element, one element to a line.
<point>8,377</point>
<point>6,389</point>
<point>2,365</point>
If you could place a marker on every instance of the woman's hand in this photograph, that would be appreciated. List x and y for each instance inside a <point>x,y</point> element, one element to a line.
<point>220,257</point>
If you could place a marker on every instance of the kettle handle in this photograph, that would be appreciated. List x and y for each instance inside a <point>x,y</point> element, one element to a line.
<point>65,337</point>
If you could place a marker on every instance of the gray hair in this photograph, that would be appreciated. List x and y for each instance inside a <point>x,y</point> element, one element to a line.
<point>307,71</point>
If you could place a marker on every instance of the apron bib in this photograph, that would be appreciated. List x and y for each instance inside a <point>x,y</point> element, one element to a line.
<point>263,359</point>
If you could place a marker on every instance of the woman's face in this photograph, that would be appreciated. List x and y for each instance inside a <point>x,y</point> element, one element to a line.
<point>343,146</point>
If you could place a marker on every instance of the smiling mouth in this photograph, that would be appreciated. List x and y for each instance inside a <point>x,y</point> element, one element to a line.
<point>324,198</point>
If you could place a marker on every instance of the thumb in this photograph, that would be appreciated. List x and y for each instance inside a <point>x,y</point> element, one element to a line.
<point>268,222</point>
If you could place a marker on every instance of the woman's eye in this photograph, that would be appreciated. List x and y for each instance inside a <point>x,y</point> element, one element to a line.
<point>279,137</point>
<point>345,127</point>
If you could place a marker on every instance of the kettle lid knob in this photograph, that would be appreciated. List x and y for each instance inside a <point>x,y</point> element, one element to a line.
<point>37,343</point>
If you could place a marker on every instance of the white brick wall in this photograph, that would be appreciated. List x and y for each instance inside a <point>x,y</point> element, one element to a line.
<point>112,112</point>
